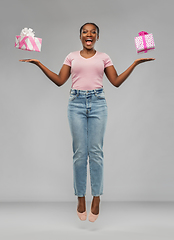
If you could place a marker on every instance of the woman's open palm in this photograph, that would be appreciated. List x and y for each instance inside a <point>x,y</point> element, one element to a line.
<point>142,60</point>
<point>35,61</point>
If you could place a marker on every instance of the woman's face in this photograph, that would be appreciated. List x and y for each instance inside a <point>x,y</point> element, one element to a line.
<point>89,36</point>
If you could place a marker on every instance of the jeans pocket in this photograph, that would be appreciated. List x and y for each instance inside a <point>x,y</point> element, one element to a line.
<point>72,96</point>
<point>100,95</point>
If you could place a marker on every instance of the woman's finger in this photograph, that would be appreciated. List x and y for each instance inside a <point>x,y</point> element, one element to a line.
<point>24,60</point>
<point>149,59</point>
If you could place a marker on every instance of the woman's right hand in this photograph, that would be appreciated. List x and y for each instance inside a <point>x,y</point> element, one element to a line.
<point>35,61</point>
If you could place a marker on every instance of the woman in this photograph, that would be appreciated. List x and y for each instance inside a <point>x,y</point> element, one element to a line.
<point>87,111</point>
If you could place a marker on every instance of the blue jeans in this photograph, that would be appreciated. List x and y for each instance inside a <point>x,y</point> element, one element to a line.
<point>87,114</point>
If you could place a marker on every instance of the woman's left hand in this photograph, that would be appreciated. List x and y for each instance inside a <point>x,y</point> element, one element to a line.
<point>142,60</point>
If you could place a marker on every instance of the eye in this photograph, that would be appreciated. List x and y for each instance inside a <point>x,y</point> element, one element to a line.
<point>94,32</point>
<point>84,31</point>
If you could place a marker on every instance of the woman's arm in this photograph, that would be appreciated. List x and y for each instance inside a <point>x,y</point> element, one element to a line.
<point>58,79</point>
<point>118,80</point>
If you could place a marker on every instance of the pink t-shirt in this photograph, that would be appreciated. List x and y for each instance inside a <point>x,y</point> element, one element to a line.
<point>87,73</point>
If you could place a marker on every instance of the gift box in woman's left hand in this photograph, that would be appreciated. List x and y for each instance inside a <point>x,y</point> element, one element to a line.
<point>144,42</point>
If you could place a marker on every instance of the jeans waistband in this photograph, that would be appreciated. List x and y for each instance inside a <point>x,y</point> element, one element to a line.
<point>85,92</point>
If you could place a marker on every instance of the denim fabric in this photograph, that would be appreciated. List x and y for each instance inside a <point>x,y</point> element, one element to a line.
<point>87,114</point>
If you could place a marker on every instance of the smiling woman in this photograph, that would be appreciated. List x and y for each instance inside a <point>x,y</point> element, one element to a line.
<point>87,111</point>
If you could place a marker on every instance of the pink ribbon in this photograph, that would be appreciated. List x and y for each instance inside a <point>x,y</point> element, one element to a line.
<point>34,44</point>
<point>142,34</point>
<point>21,43</point>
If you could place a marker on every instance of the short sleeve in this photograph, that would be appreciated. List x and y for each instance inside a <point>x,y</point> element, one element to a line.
<point>107,61</point>
<point>68,60</point>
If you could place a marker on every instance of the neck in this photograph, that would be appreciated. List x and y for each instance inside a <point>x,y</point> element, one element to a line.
<point>88,51</point>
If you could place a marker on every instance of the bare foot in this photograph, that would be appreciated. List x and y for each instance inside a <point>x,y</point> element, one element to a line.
<point>81,205</point>
<point>95,205</point>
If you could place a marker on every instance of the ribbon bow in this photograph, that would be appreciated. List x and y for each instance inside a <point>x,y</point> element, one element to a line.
<point>142,33</point>
<point>26,32</point>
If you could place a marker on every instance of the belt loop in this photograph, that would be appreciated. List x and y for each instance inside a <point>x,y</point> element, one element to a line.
<point>95,92</point>
<point>77,93</point>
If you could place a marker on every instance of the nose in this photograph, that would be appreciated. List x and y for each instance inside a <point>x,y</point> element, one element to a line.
<point>89,34</point>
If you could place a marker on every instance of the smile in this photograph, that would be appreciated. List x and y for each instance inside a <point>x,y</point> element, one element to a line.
<point>89,39</point>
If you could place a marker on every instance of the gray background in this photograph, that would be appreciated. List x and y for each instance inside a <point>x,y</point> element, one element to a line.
<point>36,153</point>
